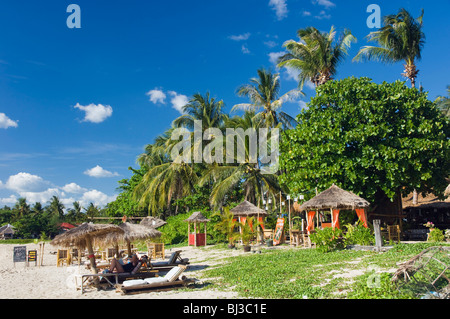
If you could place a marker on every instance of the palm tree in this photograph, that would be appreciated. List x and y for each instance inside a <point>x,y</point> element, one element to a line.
<point>21,207</point>
<point>248,173</point>
<point>444,103</point>
<point>316,55</point>
<point>263,92</point>
<point>400,39</point>
<point>203,108</point>
<point>56,208</point>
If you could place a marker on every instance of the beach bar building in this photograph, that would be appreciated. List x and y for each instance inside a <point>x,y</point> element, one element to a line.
<point>6,232</point>
<point>334,199</point>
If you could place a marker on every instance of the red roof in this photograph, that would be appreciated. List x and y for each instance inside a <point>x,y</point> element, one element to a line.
<point>66,225</point>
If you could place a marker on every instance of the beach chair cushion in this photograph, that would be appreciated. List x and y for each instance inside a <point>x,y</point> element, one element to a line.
<point>133,282</point>
<point>174,273</point>
<point>155,280</point>
<point>173,257</point>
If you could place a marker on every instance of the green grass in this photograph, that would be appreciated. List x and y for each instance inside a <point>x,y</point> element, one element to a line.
<point>308,273</point>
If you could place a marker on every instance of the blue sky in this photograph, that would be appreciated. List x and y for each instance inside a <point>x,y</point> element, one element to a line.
<point>77,106</point>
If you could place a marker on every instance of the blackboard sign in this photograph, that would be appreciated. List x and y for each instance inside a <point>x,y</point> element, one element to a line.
<point>20,254</point>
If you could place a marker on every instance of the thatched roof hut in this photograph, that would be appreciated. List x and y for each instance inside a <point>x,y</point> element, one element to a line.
<point>247,209</point>
<point>197,217</point>
<point>153,222</point>
<point>333,198</point>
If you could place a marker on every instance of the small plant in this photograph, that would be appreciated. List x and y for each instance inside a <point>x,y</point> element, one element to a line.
<point>226,225</point>
<point>359,235</point>
<point>447,234</point>
<point>429,225</point>
<point>435,235</point>
<point>248,230</point>
<point>327,239</point>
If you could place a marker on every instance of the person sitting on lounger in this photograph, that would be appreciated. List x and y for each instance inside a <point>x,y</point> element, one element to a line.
<point>116,265</point>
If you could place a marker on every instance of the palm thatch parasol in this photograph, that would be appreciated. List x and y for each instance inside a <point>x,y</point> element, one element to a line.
<point>83,237</point>
<point>333,198</point>
<point>247,209</point>
<point>197,217</point>
<point>152,222</point>
<point>131,232</point>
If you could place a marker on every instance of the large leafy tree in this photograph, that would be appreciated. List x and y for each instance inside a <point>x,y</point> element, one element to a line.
<point>378,140</point>
<point>316,55</point>
<point>264,93</point>
<point>400,39</point>
<point>444,103</point>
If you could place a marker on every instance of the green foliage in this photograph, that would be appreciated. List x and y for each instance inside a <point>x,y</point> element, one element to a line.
<point>359,235</point>
<point>327,239</point>
<point>436,235</point>
<point>226,224</point>
<point>367,137</point>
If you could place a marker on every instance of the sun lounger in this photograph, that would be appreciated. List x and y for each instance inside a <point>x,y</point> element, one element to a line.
<point>174,260</point>
<point>172,280</point>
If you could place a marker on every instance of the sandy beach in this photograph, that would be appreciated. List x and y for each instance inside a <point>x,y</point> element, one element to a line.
<point>18,281</point>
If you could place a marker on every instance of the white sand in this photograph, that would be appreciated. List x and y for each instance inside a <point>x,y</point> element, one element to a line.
<point>51,282</point>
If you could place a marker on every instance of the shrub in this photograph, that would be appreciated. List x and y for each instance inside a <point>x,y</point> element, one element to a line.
<point>327,239</point>
<point>436,235</point>
<point>359,235</point>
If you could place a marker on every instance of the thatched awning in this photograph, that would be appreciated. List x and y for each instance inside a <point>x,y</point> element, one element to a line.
<point>131,232</point>
<point>333,198</point>
<point>247,209</point>
<point>152,222</point>
<point>197,217</point>
<point>79,236</point>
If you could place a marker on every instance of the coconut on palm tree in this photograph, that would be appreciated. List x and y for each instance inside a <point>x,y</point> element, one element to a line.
<point>316,55</point>
<point>400,39</point>
<point>263,92</point>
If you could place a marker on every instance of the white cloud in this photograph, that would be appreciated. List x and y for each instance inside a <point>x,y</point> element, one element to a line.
<point>240,37</point>
<point>99,171</point>
<point>96,197</point>
<point>325,3</point>
<point>270,44</point>
<point>245,50</point>
<point>42,197</point>
<point>25,182</point>
<point>323,15</point>
<point>73,188</point>
<point>6,122</point>
<point>178,101</point>
<point>8,201</point>
<point>280,8</point>
<point>95,113</point>
<point>273,57</point>
<point>306,13</point>
<point>157,96</point>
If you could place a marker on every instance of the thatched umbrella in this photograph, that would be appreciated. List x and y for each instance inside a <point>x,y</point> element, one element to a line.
<point>247,209</point>
<point>83,237</point>
<point>152,222</point>
<point>131,232</point>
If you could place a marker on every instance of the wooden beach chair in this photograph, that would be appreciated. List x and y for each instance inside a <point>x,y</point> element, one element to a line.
<point>172,280</point>
<point>62,256</point>
<point>156,250</point>
<point>174,260</point>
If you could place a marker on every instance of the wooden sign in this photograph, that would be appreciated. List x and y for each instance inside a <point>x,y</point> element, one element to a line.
<point>278,231</point>
<point>32,256</point>
<point>20,254</point>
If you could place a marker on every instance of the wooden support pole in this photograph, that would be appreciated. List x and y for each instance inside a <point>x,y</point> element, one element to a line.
<point>377,231</point>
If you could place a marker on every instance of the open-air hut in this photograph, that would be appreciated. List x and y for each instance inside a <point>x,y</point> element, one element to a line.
<point>84,236</point>
<point>247,209</point>
<point>196,238</point>
<point>7,232</point>
<point>334,199</point>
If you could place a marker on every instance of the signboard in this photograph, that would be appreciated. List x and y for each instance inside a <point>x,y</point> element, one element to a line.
<point>32,256</point>
<point>278,231</point>
<point>20,254</point>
